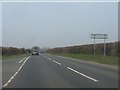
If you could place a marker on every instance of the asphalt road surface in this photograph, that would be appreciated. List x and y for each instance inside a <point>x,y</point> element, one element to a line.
<point>50,71</point>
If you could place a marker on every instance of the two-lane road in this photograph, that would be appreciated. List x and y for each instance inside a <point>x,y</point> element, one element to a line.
<point>49,71</point>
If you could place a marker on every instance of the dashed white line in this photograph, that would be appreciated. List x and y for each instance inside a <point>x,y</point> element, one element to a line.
<point>22,60</point>
<point>82,74</point>
<point>44,56</point>
<point>49,59</point>
<point>6,84</point>
<point>57,62</point>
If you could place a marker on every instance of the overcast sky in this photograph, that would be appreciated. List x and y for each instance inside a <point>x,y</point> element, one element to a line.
<point>57,24</point>
<point>0,24</point>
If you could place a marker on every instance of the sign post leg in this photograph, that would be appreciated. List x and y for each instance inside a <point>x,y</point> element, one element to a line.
<point>104,47</point>
<point>94,46</point>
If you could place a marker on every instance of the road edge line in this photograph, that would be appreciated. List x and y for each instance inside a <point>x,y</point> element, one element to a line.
<point>6,84</point>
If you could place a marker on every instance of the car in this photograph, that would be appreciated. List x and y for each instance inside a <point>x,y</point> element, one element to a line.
<point>35,53</point>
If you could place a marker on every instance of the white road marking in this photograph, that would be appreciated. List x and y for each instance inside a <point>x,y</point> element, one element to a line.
<point>22,60</point>
<point>57,62</point>
<point>49,59</point>
<point>44,56</point>
<point>82,74</point>
<point>6,84</point>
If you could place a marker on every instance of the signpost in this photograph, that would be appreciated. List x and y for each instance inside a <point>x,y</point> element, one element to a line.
<point>100,36</point>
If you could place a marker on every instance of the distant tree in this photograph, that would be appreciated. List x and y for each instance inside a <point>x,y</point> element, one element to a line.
<point>28,50</point>
<point>35,48</point>
<point>23,50</point>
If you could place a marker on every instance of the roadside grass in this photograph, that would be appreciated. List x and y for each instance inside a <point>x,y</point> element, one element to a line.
<point>97,58</point>
<point>4,57</point>
<point>0,57</point>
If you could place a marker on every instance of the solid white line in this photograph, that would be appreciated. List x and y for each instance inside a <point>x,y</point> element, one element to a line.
<point>16,73</point>
<point>82,74</point>
<point>22,60</point>
<point>57,62</point>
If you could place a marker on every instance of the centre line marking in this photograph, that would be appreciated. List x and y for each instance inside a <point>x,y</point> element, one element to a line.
<point>49,58</point>
<point>82,74</point>
<point>6,84</point>
<point>57,62</point>
<point>22,59</point>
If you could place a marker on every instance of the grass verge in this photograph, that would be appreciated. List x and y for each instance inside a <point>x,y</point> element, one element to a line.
<point>97,58</point>
<point>14,56</point>
<point>0,57</point>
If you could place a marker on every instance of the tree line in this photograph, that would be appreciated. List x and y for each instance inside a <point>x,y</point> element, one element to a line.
<point>111,49</point>
<point>13,50</point>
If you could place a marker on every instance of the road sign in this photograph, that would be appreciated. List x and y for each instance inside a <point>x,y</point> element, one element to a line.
<point>100,36</point>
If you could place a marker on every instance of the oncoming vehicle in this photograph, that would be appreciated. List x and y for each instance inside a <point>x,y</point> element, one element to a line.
<point>35,53</point>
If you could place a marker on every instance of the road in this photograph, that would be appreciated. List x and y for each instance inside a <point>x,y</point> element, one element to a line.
<point>50,71</point>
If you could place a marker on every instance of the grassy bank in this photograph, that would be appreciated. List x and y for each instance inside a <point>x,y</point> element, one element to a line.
<point>14,56</point>
<point>97,58</point>
<point>0,57</point>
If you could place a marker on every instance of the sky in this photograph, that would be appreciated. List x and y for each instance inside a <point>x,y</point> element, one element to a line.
<point>53,24</point>
<point>0,24</point>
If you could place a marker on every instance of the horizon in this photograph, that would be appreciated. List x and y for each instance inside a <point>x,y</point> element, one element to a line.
<point>61,46</point>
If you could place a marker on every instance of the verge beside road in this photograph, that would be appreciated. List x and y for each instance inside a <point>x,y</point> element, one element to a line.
<point>110,60</point>
<point>4,57</point>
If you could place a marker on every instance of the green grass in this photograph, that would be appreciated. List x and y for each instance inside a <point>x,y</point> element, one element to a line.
<point>97,58</point>
<point>0,57</point>
<point>14,56</point>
